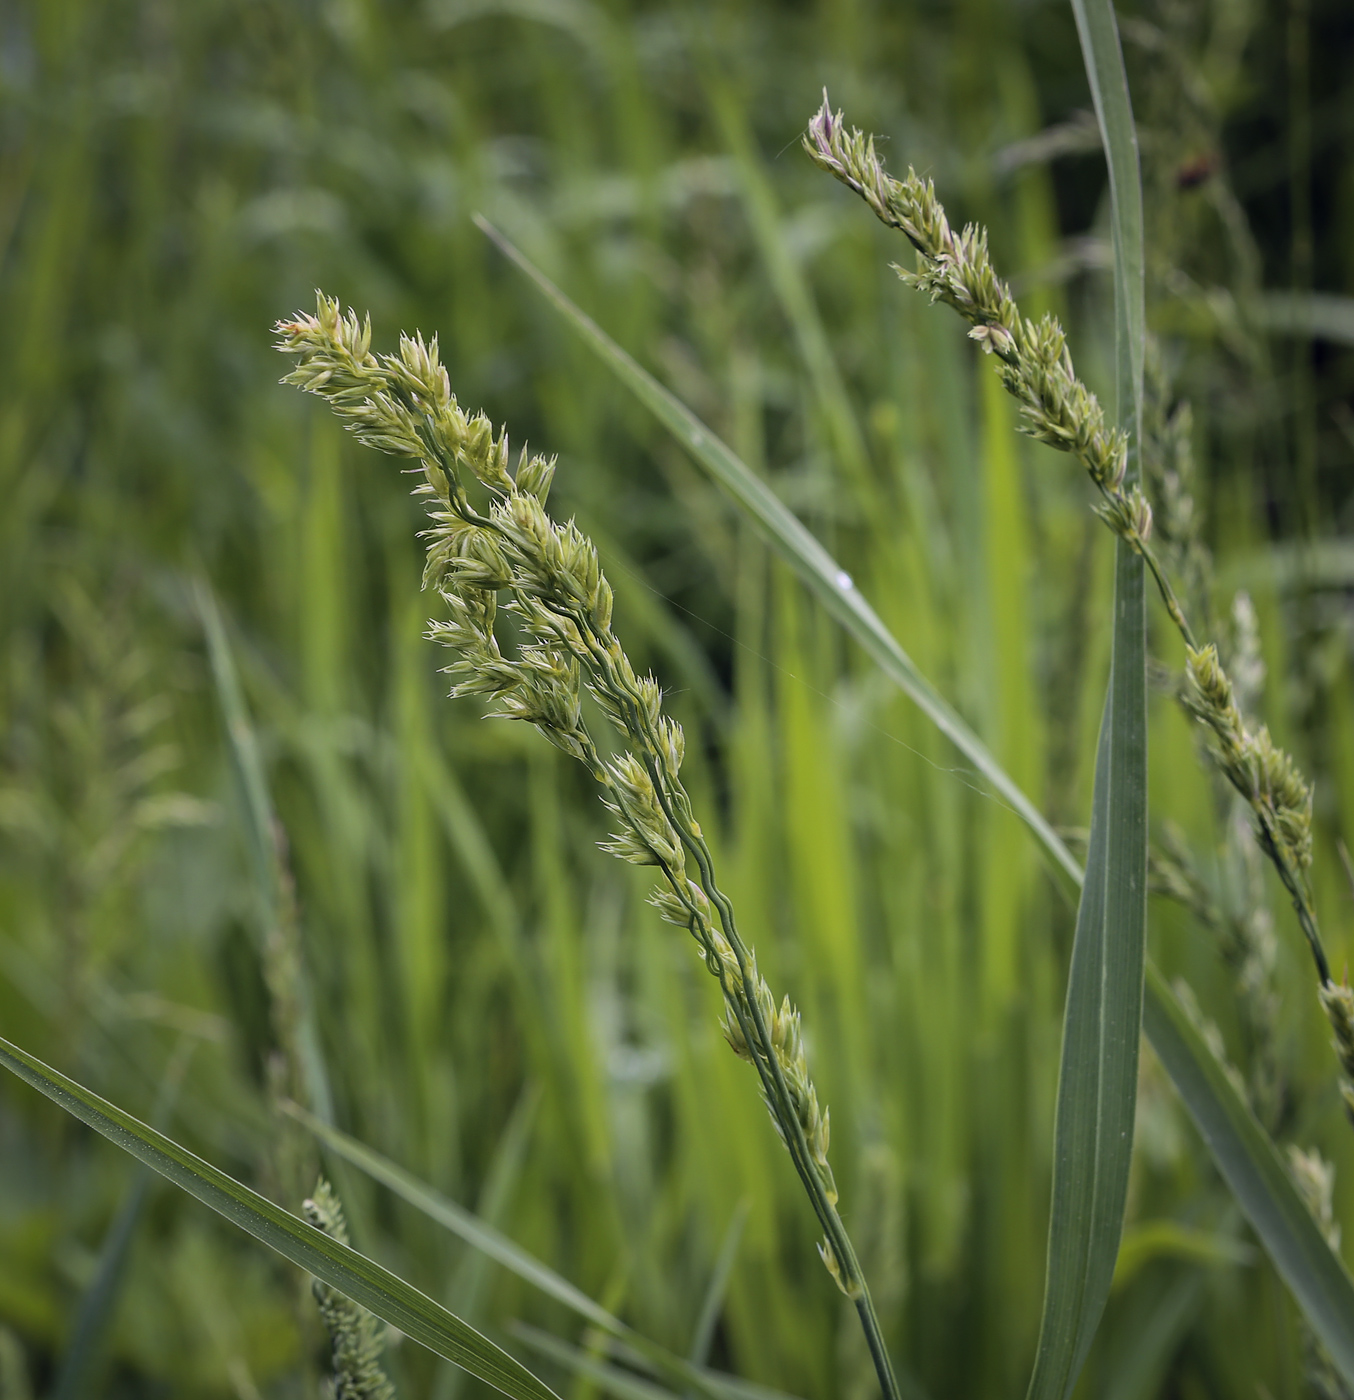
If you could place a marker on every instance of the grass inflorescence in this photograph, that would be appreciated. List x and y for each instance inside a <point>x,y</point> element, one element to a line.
<point>562,603</point>
<point>357,1338</point>
<point>1058,409</point>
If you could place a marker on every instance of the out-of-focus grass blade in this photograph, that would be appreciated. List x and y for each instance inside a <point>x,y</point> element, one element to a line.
<point>1169,1239</point>
<point>281,936</point>
<point>1256,1174</point>
<point>626,1385</point>
<point>1322,315</point>
<point>1102,1025</point>
<point>1098,1078</point>
<point>353,1274</point>
<point>792,290</point>
<point>100,1299</point>
<point>704,1334</point>
<point>791,539</point>
<point>497,1246</point>
<point>1270,1201</point>
<point>471,1279</point>
<point>1139,1374</point>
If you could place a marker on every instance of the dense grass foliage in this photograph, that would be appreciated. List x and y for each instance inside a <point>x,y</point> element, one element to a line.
<point>400,917</point>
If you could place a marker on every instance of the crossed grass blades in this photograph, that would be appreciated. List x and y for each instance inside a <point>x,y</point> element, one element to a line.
<point>559,598</point>
<point>503,542</point>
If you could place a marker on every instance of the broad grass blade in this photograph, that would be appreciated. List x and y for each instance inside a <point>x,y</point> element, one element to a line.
<point>1102,1025</point>
<point>1097,1082</point>
<point>353,1274</point>
<point>1270,1201</point>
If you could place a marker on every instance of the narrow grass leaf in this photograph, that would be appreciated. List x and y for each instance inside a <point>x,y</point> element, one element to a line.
<point>625,1385</point>
<point>1170,1239</point>
<point>353,1274</point>
<point>1102,1025</point>
<point>627,1382</point>
<point>1321,315</point>
<point>1270,1201</point>
<point>713,1301</point>
<point>471,1280</point>
<point>1142,1370</point>
<point>461,1222</point>
<point>100,1300</point>
<point>1104,61</point>
<point>276,911</point>
<point>497,1246</point>
<point>1256,1174</point>
<point>842,430</point>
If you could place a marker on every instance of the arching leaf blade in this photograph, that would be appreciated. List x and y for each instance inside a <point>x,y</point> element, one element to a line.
<point>1257,1175</point>
<point>495,1245</point>
<point>353,1274</point>
<point>792,540</point>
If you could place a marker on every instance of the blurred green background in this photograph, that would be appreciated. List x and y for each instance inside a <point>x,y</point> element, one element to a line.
<point>494,1005</point>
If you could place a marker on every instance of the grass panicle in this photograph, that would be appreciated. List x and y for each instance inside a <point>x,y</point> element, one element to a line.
<point>1058,409</point>
<point>174,179</point>
<point>562,603</point>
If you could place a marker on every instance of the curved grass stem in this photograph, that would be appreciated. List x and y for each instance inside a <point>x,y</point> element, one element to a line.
<point>555,589</point>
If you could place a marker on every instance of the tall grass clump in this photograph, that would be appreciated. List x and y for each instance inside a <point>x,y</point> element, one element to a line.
<point>272,909</point>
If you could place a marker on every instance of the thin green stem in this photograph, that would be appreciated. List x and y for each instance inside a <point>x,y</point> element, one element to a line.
<point>1169,596</point>
<point>676,808</point>
<point>823,1207</point>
